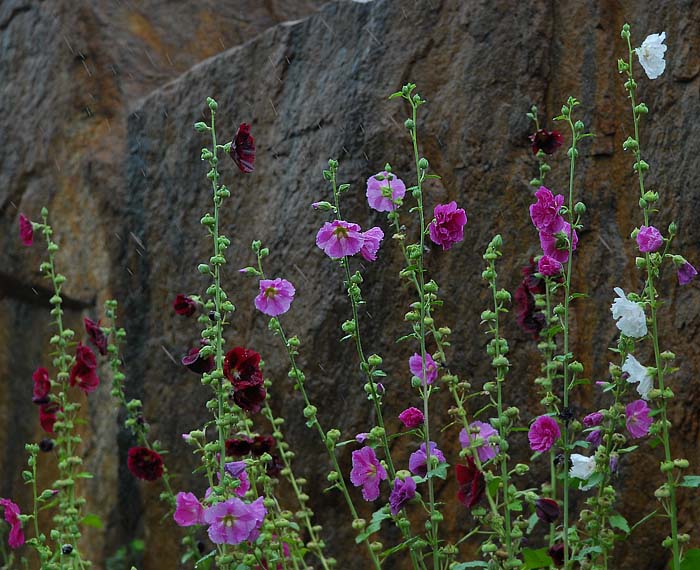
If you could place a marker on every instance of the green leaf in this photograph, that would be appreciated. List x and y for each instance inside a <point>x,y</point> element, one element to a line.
<point>493,486</point>
<point>536,558</point>
<point>691,560</point>
<point>476,564</point>
<point>440,471</point>
<point>433,176</point>
<point>395,95</point>
<point>692,481</point>
<point>92,520</point>
<point>205,562</point>
<point>84,475</point>
<point>619,522</point>
<point>375,525</point>
<point>592,481</point>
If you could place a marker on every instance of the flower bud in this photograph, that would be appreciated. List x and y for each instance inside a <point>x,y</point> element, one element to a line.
<point>423,164</point>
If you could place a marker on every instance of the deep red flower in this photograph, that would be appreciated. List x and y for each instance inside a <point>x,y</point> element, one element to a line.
<point>528,317</point>
<point>262,444</point>
<point>242,367</point>
<point>96,335</point>
<point>556,553</point>
<point>238,446</point>
<point>26,230</point>
<point>83,373</point>
<point>546,141</point>
<point>145,464</point>
<point>184,306</point>
<point>42,386</point>
<point>250,398</point>
<point>243,149</point>
<point>196,363</point>
<point>547,510</point>
<point>471,483</point>
<point>274,467</point>
<point>47,416</point>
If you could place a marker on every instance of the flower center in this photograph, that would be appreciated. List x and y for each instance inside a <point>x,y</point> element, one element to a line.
<point>340,232</point>
<point>228,520</point>
<point>270,292</point>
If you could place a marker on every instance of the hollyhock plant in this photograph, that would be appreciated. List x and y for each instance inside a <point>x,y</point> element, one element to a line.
<point>26,230</point>
<point>237,470</point>
<point>16,537</point>
<point>144,463</point>
<point>188,510</point>
<point>548,266</point>
<point>194,362</point>
<point>184,306</point>
<point>529,318</point>
<point>238,446</point>
<point>339,238</point>
<point>638,374</point>
<point>649,239</point>
<point>372,239</point>
<point>404,490</point>
<point>630,317</point>
<point>651,55</point>
<point>233,521</point>
<point>378,191</point>
<point>545,212</point>
<point>250,398</point>
<point>480,431</point>
<point>553,247</point>
<point>418,460</point>
<point>42,386</point>
<point>415,365</point>
<point>276,296</point>
<point>556,553</point>
<point>243,149</point>
<point>592,420</point>
<point>412,418</point>
<point>83,373</point>
<point>686,273</point>
<point>582,467</point>
<point>637,418</point>
<point>547,510</point>
<point>96,335</point>
<point>447,228</point>
<point>47,416</point>
<point>242,366</point>
<point>471,483</point>
<point>546,141</point>
<point>367,472</point>
<point>262,444</point>
<point>543,434</point>
<point>595,438</point>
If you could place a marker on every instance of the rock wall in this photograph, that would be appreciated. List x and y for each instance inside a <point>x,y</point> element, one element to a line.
<point>126,196</point>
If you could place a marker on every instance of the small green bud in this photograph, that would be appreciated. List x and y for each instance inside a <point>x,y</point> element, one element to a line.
<point>212,104</point>
<point>203,268</point>
<point>201,127</point>
<point>409,124</point>
<point>580,208</point>
<point>374,360</point>
<point>423,164</point>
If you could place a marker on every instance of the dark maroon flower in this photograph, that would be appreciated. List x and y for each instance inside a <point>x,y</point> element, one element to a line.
<point>196,363</point>
<point>547,510</point>
<point>471,483</point>
<point>96,335</point>
<point>243,149</point>
<point>184,306</point>
<point>242,367</point>
<point>26,230</point>
<point>83,373</point>
<point>42,386</point>
<point>556,553</point>
<point>145,464</point>
<point>529,318</point>
<point>250,398</point>
<point>274,467</point>
<point>238,446</point>
<point>546,141</point>
<point>262,444</point>
<point>46,445</point>
<point>47,416</point>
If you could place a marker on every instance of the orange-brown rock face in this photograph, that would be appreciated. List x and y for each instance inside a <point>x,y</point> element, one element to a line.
<point>126,196</point>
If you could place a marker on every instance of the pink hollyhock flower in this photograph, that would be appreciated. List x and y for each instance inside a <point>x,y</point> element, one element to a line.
<point>447,228</point>
<point>404,490</point>
<point>592,420</point>
<point>144,463</point>
<point>42,386</point>
<point>543,433</point>
<point>96,335</point>
<point>236,469</point>
<point>188,510</point>
<point>415,364</point>
<point>195,363</point>
<point>184,305</point>
<point>233,521</point>
<point>16,536</point>
<point>545,212</point>
<point>47,416</point>
<point>686,273</point>
<point>547,510</point>
<point>83,373</point>
<point>243,149</point>
<point>637,418</point>
<point>548,241</point>
<point>471,483</point>
<point>412,418</point>
<point>484,448</point>
<point>546,141</point>
<point>378,192</point>
<point>418,460</point>
<point>548,266</point>
<point>372,238</point>
<point>276,296</point>
<point>649,239</point>
<point>26,230</point>
<point>367,472</point>
<point>339,238</point>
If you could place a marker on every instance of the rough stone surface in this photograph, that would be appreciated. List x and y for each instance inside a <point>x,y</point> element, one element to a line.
<point>127,199</point>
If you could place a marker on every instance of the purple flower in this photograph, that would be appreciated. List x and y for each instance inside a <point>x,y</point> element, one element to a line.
<point>339,238</point>
<point>649,239</point>
<point>592,420</point>
<point>26,230</point>
<point>548,266</point>
<point>377,198</point>
<point>686,273</point>
<point>362,437</point>
<point>548,241</point>
<point>595,438</point>
<point>188,510</point>
<point>404,490</point>
<point>233,521</point>
<point>236,469</point>
<point>415,364</point>
<point>545,212</point>
<point>412,418</point>
<point>276,296</point>
<point>447,228</point>
<point>543,434</point>
<point>637,418</point>
<point>16,537</point>
<point>480,432</point>
<point>367,472</point>
<point>371,239</point>
<point>418,461</point>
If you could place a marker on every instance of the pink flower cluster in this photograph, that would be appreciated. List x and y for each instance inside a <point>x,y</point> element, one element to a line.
<point>551,225</point>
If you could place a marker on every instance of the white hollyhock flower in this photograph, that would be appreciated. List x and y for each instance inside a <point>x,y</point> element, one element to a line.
<point>651,55</point>
<point>639,374</point>
<point>582,467</point>
<point>630,316</point>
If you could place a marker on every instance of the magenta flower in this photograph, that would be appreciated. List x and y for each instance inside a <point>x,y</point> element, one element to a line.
<point>545,212</point>
<point>233,521</point>
<point>96,335</point>
<point>243,149</point>
<point>415,364</point>
<point>412,418</point>
<point>543,433</point>
<point>592,420</point>
<point>367,472</point>
<point>649,239</point>
<point>686,273</point>
<point>42,386</point>
<point>548,266</point>
<point>378,192</point>
<point>16,536</point>
<point>276,296</point>
<point>339,238</point>
<point>404,490</point>
<point>447,228</point>
<point>372,238</point>
<point>26,230</point>
<point>188,510</point>
<point>548,241</point>
<point>484,449</point>
<point>595,438</point>
<point>236,469</point>
<point>418,460</point>
<point>637,418</point>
